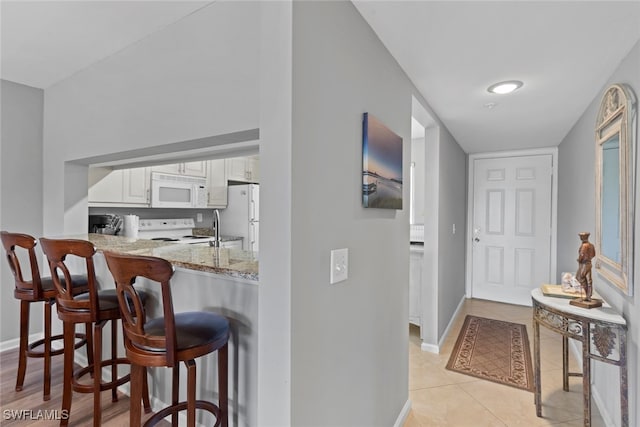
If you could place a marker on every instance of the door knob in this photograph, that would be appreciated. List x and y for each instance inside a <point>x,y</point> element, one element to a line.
<point>476,239</point>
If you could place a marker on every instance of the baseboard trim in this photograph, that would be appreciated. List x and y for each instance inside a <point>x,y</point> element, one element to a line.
<point>435,348</point>
<point>15,343</point>
<point>597,399</point>
<point>576,351</point>
<point>446,332</point>
<point>431,348</point>
<point>404,413</point>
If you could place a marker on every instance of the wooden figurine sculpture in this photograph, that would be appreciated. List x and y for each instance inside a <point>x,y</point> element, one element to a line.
<point>586,253</point>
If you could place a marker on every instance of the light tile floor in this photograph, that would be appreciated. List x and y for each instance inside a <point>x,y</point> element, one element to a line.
<point>441,397</point>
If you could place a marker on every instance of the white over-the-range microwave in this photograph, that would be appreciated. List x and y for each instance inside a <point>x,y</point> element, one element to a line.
<point>178,191</point>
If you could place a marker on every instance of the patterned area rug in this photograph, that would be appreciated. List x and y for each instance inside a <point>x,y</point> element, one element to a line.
<point>493,350</point>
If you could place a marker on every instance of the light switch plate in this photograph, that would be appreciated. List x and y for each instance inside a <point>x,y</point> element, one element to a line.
<point>339,265</point>
<point>199,217</point>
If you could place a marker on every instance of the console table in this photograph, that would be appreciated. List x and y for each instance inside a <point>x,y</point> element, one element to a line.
<point>603,334</point>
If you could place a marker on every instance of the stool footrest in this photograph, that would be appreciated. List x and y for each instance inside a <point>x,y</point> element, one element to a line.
<point>182,406</point>
<point>88,388</point>
<point>31,348</point>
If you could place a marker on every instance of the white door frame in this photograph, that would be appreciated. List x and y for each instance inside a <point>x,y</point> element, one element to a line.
<point>553,151</point>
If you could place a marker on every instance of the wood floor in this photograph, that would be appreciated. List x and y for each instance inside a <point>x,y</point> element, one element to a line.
<point>29,403</point>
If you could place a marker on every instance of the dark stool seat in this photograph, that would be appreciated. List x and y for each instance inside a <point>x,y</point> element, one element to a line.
<point>108,299</point>
<point>194,329</point>
<point>168,340</point>
<point>97,308</point>
<point>38,289</point>
<point>80,283</point>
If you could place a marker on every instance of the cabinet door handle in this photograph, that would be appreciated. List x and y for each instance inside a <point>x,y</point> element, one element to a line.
<point>476,239</point>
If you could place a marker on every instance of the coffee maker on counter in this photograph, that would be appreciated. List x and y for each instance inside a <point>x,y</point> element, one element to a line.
<point>105,224</point>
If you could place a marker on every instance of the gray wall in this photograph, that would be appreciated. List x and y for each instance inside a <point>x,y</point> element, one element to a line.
<point>418,190</point>
<point>349,340</point>
<point>329,355</point>
<point>576,212</point>
<point>274,296</point>
<point>21,186</point>
<point>452,209</point>
<point>193,79</point>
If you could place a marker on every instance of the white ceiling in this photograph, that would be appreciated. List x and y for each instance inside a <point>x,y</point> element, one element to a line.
<point>44,42</point>
<point>564,52</point>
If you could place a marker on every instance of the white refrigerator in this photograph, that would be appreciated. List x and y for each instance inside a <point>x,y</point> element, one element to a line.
<point>242,215</point>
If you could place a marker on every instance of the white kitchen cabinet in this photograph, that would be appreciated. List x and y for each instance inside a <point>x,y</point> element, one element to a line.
<point>122,187</point>
<point>243,169</point>
<point>136,184</point>
<point>418,180</point>
<point>253,165</point>
<point>189,168</point>
<point>217,183</point>
<point>415,284</point>
<point>194,168</point>
<point>236,169</point>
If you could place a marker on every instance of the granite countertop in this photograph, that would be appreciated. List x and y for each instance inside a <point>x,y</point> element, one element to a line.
<point>209,232</point>
<point>225,261</point>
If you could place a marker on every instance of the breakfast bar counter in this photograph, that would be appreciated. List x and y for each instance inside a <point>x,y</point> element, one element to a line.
<point>224,261</point>
<point>217,280</point>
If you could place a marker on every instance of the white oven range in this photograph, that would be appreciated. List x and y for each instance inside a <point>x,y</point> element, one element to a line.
<point>171,230</point>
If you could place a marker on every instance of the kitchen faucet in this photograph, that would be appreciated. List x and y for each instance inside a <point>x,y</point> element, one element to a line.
<point>216,229</point>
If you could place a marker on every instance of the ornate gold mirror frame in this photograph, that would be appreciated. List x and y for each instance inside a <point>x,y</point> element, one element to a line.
<point>616,128</point>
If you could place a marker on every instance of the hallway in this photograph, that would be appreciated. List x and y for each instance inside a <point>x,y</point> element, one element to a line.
<point>440,397</point>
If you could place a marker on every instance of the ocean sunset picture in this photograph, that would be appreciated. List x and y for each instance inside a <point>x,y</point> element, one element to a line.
<point>381,165</point>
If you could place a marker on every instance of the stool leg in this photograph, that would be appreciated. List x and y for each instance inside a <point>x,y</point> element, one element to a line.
<point>97,372</point>
<point>114,356</point>
<point>175,388</point>
<point>69,350</point>
<point>135,414</point>
<point>223,385</point>
<point>47,350</point>
<point>88,327</point>
<point>191,392</point>
<point>24,342</point>
<point>145,391</point>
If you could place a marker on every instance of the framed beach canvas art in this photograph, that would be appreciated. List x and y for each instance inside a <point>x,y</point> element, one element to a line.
<point>381,165</point>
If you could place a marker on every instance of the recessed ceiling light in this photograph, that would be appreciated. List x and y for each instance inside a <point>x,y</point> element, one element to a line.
<point>503,88</point>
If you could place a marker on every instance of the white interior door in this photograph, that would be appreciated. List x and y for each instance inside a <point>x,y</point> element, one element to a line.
<point>511,229</point>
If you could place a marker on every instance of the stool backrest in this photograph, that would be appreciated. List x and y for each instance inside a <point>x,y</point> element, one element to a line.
<point>125,270</point>
<point>10,241</point>
<point>57,251</point>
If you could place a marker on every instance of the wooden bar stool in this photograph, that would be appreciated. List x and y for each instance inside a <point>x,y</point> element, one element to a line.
<point>97,307</point>
<point>168,340</point>
<point>37,289</point>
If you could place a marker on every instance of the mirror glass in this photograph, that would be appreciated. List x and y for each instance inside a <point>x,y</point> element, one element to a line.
<point>615,187</point>
<point>610,221</point>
